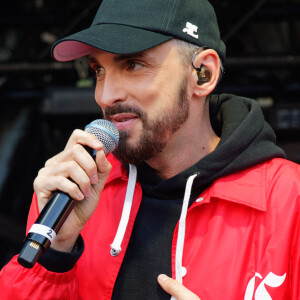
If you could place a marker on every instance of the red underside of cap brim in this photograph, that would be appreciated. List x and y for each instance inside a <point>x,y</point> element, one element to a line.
<point>113,38</point>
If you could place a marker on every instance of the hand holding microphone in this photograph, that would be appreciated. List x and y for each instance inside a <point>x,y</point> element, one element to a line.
<point>69,176</point>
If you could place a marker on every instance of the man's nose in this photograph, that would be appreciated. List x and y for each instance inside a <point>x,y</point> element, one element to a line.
<point>110,90</point>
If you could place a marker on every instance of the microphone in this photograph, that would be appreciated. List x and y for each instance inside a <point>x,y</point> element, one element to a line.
<point>54,214</point>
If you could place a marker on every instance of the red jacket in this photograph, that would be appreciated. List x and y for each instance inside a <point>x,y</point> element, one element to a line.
<point>242,241</point>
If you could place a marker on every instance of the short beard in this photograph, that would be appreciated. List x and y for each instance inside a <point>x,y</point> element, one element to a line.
<point>155,133</point>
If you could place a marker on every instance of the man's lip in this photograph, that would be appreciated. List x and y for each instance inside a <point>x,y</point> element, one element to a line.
<point>123,117</point>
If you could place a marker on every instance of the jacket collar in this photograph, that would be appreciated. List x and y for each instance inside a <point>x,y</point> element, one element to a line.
<point>118,169</point>
<point>247,187</point>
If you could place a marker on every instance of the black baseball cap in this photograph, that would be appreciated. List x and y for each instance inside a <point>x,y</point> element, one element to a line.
<point>130,26</point>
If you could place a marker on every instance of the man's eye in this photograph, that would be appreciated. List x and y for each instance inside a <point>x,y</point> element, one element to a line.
<point>99,71</point>
<point>96,71</point>
<point>133,65</point>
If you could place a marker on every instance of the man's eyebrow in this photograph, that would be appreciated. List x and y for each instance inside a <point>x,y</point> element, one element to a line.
<point>92,60</point>
<point>123,57</point>
<point>120,57</point>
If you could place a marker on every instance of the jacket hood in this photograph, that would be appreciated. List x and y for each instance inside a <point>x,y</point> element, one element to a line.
<point>246,139</point>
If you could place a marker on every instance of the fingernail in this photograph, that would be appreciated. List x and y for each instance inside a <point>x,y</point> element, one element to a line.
<point>97,144</point>
<point>162,277</point>
<point>80,196</point>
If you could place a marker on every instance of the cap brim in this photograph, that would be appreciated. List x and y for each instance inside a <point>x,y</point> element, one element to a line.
<point>113,38</point>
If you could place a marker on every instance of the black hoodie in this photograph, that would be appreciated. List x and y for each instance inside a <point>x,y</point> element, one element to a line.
<point>246,140</point>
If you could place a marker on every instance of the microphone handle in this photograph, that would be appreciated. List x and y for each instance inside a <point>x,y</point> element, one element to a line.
<point>46,226</point>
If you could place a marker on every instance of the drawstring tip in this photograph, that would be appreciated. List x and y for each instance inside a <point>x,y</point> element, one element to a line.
<point>114,251</point>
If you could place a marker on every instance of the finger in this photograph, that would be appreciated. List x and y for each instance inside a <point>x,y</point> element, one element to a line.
<point>44,191</point>
<point>78,154</point>
<point>84,138</point>
<point>69,169</point>
<point>175,288</point>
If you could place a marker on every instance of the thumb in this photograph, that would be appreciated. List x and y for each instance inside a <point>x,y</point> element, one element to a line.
<point>104,168</point>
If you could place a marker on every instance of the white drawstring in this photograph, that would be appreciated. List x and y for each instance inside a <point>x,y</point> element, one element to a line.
<point>116,245</point>
<point>181,230</point>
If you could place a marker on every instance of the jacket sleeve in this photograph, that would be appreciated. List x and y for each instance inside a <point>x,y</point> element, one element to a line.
<point>17,282</point>
<point>286,189</point>
<point>295,256</point>
<point>292,180</point>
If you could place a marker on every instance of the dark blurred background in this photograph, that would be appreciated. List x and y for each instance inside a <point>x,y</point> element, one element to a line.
<point>42,101</point>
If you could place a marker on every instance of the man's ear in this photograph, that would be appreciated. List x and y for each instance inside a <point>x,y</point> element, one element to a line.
<point>206,64</point>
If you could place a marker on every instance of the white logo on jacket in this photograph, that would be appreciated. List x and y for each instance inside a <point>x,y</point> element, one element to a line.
<point>191,30</point>
<point>261,293</point>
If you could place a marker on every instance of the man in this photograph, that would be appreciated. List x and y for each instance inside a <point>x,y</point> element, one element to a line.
<point>209,199</point>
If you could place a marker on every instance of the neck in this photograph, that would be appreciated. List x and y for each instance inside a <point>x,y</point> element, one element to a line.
<point>194,140</point>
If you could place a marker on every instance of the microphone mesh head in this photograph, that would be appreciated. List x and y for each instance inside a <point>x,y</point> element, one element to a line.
<point>106,132</point>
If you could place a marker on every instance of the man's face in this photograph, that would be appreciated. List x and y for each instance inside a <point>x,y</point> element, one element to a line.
<point>145,96</point>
